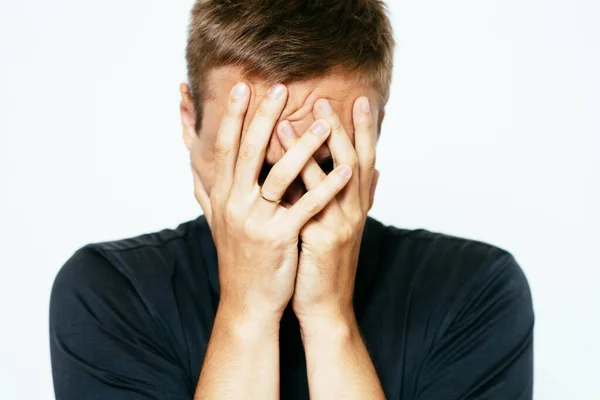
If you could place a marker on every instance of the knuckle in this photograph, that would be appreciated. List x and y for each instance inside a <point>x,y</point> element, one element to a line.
<point>278,178</point>
<point>263,111</point>
<point>218,199</point>
<point>234,110</point>
<point>345,233</point>
<point>229,215</point>
<point>247,151</point>
<point>249,227</point>
<point>370,162</point>
<point>215,198</point>
<point>221,150</point>
<point>336,124</point>
<point>311,206</point>
<point>353,163</point>
<point>274,238</point>
<point>319,177</point>
<point>355,219</point>
<point>233,215</point>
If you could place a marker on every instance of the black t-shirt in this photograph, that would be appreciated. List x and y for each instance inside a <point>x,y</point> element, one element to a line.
<point>443,318</point>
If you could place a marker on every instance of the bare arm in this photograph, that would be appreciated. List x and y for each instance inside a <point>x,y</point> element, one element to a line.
<point>338,363</point>
<point>242,359</point>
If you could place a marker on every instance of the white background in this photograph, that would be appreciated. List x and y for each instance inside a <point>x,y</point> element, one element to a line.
<point>492,132</point>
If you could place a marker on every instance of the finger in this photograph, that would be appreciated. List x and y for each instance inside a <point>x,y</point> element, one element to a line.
<point>320,196</point>
<point>373,188</point>
<point>364,139</point>
<point>228,136</point>
<point>202,196</point>
<point>251,155</point>
<point>312,173</point>
<point>293,161</point>
<point>342,152</point>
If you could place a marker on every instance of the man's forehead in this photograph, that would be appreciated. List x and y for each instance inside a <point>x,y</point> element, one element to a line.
<point>340,88</point>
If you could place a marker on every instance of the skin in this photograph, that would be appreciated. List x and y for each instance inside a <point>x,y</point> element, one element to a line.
<point>266,136</point>
<point>337,87</point>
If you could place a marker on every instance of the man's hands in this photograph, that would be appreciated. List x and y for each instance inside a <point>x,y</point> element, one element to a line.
<point>257,243</point>
<point>256,239</point>
<point>330,242</point>
<point>338,364</point>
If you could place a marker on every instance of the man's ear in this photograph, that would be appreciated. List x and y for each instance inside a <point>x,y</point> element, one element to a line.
<point>188,115</point>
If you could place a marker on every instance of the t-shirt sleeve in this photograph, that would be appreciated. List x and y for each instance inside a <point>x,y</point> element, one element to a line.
<point>487,350</point>
<point>104,342</point>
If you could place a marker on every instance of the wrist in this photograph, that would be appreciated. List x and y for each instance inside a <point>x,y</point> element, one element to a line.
<point>331,327</point>
<point>246,326</point>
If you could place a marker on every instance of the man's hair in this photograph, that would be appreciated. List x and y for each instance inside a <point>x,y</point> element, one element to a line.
<point>289,40</point>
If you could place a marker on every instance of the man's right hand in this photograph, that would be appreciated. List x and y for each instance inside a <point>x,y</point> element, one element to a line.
<point>256,239</point>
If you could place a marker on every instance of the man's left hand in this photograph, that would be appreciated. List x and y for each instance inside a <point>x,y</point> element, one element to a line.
<point>330,242</point>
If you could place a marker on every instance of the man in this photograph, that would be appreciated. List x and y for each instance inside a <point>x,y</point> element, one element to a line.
<point>285,288</point>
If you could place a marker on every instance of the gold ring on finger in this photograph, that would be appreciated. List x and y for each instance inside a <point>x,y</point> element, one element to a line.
<point>267,198</point>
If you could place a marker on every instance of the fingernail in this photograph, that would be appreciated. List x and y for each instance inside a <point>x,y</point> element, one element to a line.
<point>364,105</point>
<point>287,129</point>
<point>320,128</point>
<point>276,92</point>
<point>239,90</point>
<point>345,171</point>
<point>325,107</point>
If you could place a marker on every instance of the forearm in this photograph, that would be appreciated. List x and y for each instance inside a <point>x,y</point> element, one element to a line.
<point>338,363</point>
<point>241,361</point>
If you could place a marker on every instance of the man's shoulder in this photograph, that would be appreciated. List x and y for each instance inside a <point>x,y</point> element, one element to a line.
<point>151,240</point>
<point>454,269</point>
<point>126,306</point>
<point>455,299</point>
<point>142,260</point>
<point>422,248</point>
<point>457,285</point>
